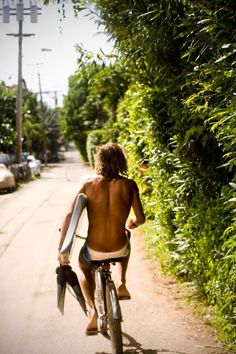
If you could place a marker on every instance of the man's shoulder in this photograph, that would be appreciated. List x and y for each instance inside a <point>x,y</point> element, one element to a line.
<point>129,182</point>
<point>90,178</point>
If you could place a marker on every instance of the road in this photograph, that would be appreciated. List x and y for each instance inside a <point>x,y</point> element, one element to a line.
<point>155,319</point>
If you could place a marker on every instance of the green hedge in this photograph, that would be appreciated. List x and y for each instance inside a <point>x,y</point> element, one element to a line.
<point>191,213</point>
<point>94,139</point>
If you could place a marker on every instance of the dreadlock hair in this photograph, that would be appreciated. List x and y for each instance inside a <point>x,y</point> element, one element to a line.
<point>110,161</point>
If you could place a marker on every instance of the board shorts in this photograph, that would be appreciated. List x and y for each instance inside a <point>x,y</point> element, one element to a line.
<point>89,257</point>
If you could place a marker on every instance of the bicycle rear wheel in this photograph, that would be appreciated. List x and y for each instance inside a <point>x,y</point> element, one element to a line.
<point>114,318</point>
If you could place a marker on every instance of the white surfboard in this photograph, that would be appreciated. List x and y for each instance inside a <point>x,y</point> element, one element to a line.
<point>80,204</point>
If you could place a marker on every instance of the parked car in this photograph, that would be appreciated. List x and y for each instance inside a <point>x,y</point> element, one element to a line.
<point>13,167</point>
<point>23,170</point>
<point>7,180</point>
<point>34,165</point>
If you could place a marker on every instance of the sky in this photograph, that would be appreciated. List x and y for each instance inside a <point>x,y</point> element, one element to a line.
<point>58,62</point>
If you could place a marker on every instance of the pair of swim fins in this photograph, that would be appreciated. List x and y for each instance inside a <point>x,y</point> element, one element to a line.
<point>67,277</point>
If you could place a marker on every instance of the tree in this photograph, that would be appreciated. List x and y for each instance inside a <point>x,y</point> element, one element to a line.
<point>32,132</point>
<point>7,118</point>
<point>38,128</point>
<point>94,93</point>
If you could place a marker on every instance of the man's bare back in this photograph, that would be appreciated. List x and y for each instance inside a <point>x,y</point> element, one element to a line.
<point>109,204</point>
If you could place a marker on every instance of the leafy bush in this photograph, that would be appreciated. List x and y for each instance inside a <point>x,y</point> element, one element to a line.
<point>185,194</point>
<point>94,139</point>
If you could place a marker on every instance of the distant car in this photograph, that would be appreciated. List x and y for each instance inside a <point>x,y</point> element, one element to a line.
<point>7,180</point>
<point>20,170</point>
<point>6,160</point>
<point>34,165</point>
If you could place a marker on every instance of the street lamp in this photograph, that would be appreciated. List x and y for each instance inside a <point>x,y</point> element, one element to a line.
<point>46,50</point>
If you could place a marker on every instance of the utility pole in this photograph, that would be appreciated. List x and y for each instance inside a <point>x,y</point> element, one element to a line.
<point>19,86</point>
<point>54,96</point>
<point>19,11</point>
<point>45,156</point>
<point>42,109</point>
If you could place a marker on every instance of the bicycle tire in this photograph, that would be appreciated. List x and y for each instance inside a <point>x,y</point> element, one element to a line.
<point>114,318</point>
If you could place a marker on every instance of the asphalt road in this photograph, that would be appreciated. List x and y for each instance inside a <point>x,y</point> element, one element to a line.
<point>155,319</point>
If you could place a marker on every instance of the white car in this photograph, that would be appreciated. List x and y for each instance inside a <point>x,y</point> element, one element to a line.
<point>7,180</point>
<point>34,165</point>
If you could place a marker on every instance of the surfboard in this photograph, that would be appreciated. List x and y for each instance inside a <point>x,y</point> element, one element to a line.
<point>80,204</point>
<point>65,275</point>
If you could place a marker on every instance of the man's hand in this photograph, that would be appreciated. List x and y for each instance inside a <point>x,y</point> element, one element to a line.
<point>63,258</point>
<point>131,224</point>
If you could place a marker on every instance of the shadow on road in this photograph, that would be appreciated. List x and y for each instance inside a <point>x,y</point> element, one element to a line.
<point>131,346</point>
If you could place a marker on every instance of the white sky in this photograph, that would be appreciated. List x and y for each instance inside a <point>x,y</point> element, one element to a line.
<point>57,65</point>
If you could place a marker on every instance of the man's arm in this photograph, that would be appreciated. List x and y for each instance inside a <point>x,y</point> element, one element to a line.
<point>139,217</point>
<point>63,231</point>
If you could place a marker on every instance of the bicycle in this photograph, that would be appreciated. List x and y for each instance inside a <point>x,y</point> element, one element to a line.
<point>107,304</point>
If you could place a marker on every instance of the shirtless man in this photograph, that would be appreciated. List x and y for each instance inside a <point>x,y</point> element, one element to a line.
<point>110,198</point>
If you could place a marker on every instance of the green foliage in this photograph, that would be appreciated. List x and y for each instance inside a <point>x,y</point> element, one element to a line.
<point>190,209</point>
<point>72,121</point>
<point>94,92</point>
<point>37,123</point>
<point>7,119</point>
<point>176,119</point>
<point>94,139</point>
<point>32,132</point>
